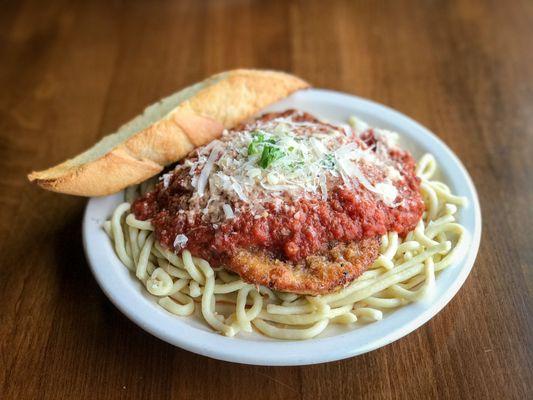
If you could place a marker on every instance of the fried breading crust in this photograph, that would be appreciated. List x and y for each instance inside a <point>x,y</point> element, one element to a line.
<point>318,274</point>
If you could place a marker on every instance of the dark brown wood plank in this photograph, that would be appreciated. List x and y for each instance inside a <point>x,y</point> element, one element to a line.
<point>72,71</point>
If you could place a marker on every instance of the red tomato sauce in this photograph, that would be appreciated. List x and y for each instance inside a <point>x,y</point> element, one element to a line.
<point>304,228</point>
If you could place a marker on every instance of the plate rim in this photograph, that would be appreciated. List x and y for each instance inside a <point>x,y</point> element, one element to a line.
<point>282,353</point>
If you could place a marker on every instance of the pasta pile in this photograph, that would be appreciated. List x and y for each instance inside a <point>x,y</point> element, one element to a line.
<point>404,272</point>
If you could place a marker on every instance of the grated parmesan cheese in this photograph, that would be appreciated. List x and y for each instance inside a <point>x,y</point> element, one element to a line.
<point>280,158</point>
<point>180,241</point>
<point>228,211</point>
<point>166,179</point>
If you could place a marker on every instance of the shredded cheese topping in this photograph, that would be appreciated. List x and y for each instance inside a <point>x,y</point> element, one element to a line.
<point>286,158</point>
<point>180,241</point>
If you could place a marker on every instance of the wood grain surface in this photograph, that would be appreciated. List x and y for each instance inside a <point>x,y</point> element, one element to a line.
<point>72,71</point>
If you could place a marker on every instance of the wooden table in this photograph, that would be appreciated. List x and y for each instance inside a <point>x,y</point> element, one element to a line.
<point>72,71</point>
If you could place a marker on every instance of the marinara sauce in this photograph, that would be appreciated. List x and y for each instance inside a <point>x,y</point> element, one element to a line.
<point>294,231</point>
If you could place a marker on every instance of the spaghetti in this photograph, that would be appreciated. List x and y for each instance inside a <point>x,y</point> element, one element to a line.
<point>403,273</point>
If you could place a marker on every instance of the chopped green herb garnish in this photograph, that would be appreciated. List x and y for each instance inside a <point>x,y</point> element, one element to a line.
<point>296,164</point>
<point>269,155</point>
<point>329,161</point>
<point>266,147</point>
<point>254,146</point>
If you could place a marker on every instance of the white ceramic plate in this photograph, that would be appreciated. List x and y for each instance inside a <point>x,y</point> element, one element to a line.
<point>337,342</point>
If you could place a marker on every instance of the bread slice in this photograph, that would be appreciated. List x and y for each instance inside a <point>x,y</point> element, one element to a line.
<point>167,131</point>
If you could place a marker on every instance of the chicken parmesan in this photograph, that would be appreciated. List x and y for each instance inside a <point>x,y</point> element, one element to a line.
<point>287,201</point>
<point>287,224</point>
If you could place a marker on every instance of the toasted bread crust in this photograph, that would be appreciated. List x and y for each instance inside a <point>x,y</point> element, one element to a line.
<point>220,102</point>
